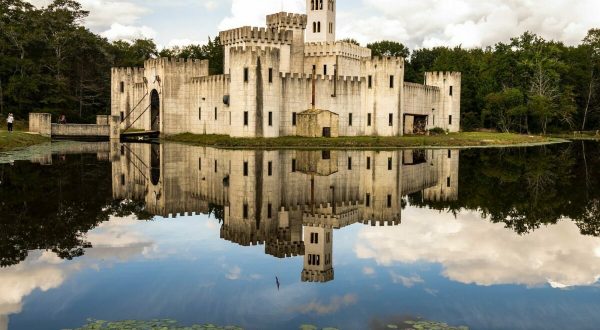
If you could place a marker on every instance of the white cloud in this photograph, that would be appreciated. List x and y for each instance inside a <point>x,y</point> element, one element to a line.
<point>334,305</point>
<point>474,250</point>
<point>128,32</point>
<point>408,282</point>
<point>471,23</point>
<point>253,13</point>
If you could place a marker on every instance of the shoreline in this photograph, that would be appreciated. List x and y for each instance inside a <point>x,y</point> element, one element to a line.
<point>449,141</point>
<point>18,140</point>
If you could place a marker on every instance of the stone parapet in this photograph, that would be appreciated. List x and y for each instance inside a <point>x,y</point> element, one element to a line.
<point>338,48</point>
<point>285,20</point>
<point>256,35</point>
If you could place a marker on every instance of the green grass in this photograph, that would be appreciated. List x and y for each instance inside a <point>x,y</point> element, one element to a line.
<point>471,139</point>
<point>19,140</point>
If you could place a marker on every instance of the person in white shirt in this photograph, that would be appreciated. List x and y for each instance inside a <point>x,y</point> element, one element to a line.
<point>10,120</point>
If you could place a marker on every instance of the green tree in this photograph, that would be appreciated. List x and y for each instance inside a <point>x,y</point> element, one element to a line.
<point>389,48</point>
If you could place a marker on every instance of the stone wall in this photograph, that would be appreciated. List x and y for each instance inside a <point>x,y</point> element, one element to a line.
<point>81,130</point>
<point>449,84</point>
<point>40,123</point>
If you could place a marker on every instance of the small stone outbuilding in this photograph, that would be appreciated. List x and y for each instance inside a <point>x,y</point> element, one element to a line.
<point>318,123</point>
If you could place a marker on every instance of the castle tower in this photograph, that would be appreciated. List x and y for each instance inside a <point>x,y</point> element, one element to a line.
<point>321,20</point>
<point>297,24</point>
<point>450,87</point>
<point>318,262</point>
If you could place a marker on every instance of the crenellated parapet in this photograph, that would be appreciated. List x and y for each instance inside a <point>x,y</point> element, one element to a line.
<point>338,48</point>
<point>437,75</point>
<point>177,63</point>
<point>221,78</point>
<point>254,51</point>
<point>408,86</point>
<point>395,221</point>
<point>284,249</point>
<point>255,35</point>
<point>287,21</point>
<point>383,62</point>
<point>317,276</point>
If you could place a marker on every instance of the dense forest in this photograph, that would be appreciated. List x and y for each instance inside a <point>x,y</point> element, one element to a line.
<point>50,62</point>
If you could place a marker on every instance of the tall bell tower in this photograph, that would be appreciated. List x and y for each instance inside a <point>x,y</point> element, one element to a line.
<point>321,20</point>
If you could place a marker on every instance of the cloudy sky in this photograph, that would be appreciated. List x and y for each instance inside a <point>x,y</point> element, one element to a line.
<point>417,23</point>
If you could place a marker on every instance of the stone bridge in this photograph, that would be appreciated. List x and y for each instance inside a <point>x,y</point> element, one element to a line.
<point>106,128</point>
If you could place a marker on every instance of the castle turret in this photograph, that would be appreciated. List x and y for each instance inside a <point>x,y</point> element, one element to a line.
<point>297,24</point>
<point>321,20</point>
<point>318,262</point>
<point>448,116</point>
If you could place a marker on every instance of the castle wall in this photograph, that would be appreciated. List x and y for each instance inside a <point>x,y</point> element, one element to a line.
<point>208,113</point>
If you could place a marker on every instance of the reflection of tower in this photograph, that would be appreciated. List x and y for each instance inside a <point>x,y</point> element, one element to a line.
<point>383,191</point>
<point>318,256</point>
<point>447,166</point>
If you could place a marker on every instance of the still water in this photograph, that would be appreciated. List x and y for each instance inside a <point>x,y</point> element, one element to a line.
<point>483,238</point>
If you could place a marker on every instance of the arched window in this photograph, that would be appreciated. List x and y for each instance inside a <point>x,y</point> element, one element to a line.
<point>312,4</point>
<point>321,4</point>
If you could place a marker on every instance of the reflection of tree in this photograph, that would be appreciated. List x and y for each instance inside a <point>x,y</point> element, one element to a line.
<point>51,207</point>
<point>124,208</point>
<point>218,211</point>
<point>526,188</point>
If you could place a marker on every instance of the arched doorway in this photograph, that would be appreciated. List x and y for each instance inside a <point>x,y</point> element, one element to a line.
<point>154,111</point>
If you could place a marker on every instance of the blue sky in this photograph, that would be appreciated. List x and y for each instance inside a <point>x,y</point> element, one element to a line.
<point>417,23</point>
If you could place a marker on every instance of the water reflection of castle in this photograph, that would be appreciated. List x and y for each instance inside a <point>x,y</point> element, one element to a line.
<point>290,201</point>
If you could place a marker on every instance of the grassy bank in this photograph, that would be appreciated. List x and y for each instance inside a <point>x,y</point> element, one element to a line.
<point>474,139</point>
<point>18,140</point>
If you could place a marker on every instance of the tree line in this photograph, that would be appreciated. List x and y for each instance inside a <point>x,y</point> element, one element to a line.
<point>50,62</point>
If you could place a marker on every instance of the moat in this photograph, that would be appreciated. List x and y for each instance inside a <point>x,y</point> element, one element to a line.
<point>501,238</point>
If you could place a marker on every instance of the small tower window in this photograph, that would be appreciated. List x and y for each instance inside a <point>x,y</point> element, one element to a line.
<point>270,169</point>
<point>199,164</point>
<point>449,154</point>
<point>451,90</point>
<point>368,119</point>
<point>314,27</point>
<point>246,75</point>
<point>350,119</point>
<point>389,201</point>
<point>245,168</point>
<point>122,87</point>
<point>368,200</point>
<point>391,119</point>
<point>245,211</point>
<point>368,163</point>
<point>270,118</point>
<point>319,27</point>
<point>448,182</point>
<point>245,118</point>
<point>293,119</point>
<point>349,163</point>
<point>325,69</point>
<point>370,82</point>
<point>450,120</point>
<point>199,113</point>
<point>216,166</point>
<point>293,165</point>
<point>391,81</point>
<point>269,211</point>
<point>215,113</point>
<point>270,75</point>
<point>321,4</point>
<point>390,163</point>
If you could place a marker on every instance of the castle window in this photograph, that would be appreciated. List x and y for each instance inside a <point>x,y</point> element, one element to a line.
<point>199,164</point>
<point>122,87</point>
<point>325,155</point>
<point>215,113</point>
<point>368,119</point>
<point>216,166</point>
<point>389,201</point>
<point>368,200</point>
<point>270,118</point>
<point>122,179</point>
<point>368,163</point>
<point>328,238</point>
<point>199,113</point>
<point>321,4</point>
<point>325,69</point>
<point>312,4</point>
<point>349,163</point>
<point>246,75</point>
<point>370,81</point>
<point>391,119</point>
<point>330,28</point>
<point>122,115</point>
<point>293,119</point>
<point>122,150</point>
<point>450,120</point>
<point>293,165</point>
<point>349,119</point>
<point>269,211</point>
<point>245,211</point>
<point>448,182</point>
<point>391,81</point>
<point>319,27</point>
<point>449,154</point>
<point>245,168</point>
<point>451,88</point>
<point>245,118</point>
<point>270,75</point>
<point>270,168</point>
<point>314,238</point>
<point>433,118</point>
<point>390,163</point>
<point>314,27</point>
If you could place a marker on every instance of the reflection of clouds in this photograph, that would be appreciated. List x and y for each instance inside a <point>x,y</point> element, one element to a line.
<point>43,270</point>
<point>408,282</point>
<point>473,250</point>
<point>234,273</point>
<point>368,271</point>
<point>334,305</point>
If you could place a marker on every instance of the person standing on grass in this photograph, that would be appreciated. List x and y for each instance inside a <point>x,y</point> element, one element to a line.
<point>10,120</point>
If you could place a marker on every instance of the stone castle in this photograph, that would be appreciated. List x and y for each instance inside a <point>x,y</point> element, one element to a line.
<point>290,78</point>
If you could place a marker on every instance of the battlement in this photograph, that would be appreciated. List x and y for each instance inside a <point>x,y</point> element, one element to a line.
<point>210,79</point>
<point>339,48</point>
<point>255,51</point>
<point>427,88</point>
<point>127,71</point>
<point>283,249</point>
<point>381,223</point>
<point>317,276</point>
<point>285,20</point>
<point>165,62</point>
<point>438,76</point>
<point>255,35</point>
<point>308,76</point>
